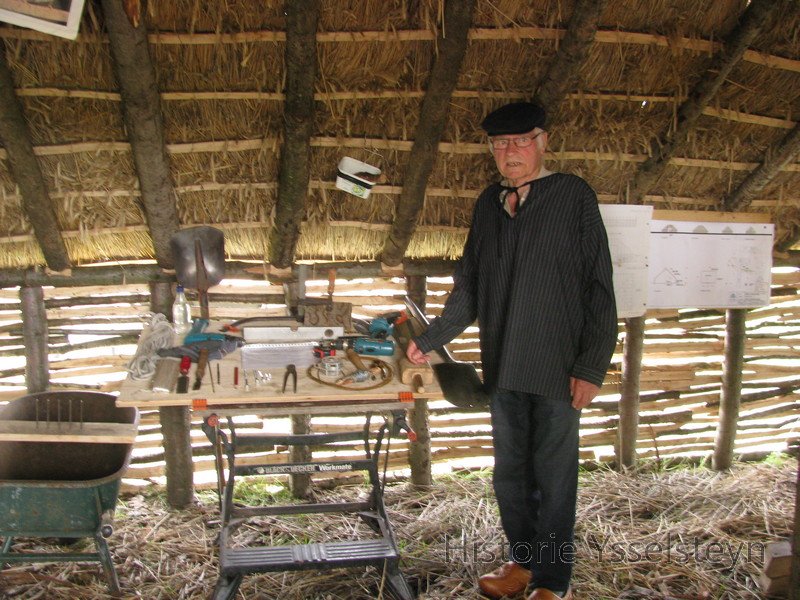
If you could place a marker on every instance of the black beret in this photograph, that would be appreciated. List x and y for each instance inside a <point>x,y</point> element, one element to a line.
<point>517,117</point>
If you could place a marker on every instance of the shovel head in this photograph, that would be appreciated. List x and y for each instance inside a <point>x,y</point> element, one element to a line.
<point>209,244</point>
<point>460,384</point>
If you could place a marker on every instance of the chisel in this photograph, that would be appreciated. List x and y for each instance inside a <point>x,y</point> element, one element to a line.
<point>202,361</point>
<point>183,380</point>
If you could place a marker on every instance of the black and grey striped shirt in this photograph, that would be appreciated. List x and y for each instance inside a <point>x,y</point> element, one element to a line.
<point>539,285</point>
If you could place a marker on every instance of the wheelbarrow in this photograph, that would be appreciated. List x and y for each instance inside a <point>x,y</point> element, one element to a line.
<point>62,458</point>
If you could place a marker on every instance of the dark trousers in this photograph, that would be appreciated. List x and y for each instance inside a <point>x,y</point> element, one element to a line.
<point>536,482</point>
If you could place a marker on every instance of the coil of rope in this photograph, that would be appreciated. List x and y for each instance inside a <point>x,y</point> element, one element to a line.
<point>161,334</point>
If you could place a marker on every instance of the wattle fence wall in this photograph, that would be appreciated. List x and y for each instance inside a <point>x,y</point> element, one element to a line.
<point>680,380</point>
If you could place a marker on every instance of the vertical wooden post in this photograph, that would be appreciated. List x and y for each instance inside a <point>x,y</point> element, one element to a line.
<point>731,396</point>
<point>417,288</point>
<point>299,483</point>
<point>628,428</point>
<point>34,334</point>
<point>176,425</point>
<point>419,451</point>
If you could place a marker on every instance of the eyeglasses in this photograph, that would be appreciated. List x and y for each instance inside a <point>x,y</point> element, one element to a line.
<point>522,141</point>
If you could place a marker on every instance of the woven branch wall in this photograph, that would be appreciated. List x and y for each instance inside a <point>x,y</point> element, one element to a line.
<point>680,381</point>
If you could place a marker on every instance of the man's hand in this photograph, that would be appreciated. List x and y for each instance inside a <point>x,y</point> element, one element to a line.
<point>415,355</point>
<point>582,392</point>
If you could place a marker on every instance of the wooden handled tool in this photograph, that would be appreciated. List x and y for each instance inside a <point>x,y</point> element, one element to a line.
<point>356,360</point>
<point>417,376</point>
<point>459,381</point>
<point>183,379</point>
<point>202,361</point>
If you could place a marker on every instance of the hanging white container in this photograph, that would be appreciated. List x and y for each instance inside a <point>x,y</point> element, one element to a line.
<point>356,177</point>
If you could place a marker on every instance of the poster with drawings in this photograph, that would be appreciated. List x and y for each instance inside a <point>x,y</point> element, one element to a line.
<point>709,264</point>
<point>628,229</point>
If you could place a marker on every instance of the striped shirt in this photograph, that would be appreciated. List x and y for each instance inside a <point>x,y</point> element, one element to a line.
<point>540,286</point>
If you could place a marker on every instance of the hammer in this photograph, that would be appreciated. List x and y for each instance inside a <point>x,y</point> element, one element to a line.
<point>415,375</point>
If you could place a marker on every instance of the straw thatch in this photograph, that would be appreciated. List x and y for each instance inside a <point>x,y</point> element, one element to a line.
<point>221,79</point>
<point>683,533</point>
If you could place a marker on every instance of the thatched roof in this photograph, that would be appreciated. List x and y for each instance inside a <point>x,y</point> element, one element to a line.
<point>688,104</point>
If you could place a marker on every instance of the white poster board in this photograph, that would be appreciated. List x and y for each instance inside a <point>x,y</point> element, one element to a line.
<point>56,17</point>
<point>628,229</point>
<point>697,264</point>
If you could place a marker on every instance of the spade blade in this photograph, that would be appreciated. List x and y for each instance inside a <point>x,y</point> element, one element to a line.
<point>460,384</point>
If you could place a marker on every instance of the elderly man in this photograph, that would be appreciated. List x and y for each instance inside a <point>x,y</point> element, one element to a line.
<point>536,274</point>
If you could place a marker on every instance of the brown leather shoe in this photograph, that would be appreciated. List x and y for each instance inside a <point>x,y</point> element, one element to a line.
<point>507,580</point>
<point>545,594</point>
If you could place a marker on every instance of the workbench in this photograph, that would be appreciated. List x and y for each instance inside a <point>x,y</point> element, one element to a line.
<point>228,398</point>
<point>309,395</point>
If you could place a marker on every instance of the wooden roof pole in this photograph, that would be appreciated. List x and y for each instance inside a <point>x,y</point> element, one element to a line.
<point>16,138</point>
<point>752,21</point>
<point>141,111</point>
<point>780,156</point>
<point>451,46</point>
<point>562,73</point>
<point>298,127</point>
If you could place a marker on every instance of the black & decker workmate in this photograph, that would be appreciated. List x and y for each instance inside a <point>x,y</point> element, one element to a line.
<point>379,551</point>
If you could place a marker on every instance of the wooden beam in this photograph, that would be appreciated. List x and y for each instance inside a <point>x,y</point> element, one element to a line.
<point>130,274</point>
<point>628,428</point>
<point>451,48</point>
<point>141,111</point>
<point>777,158</point>
<point>563,71</point>
<point>731,395</point>
<point>34,332</point>
<point>24,166</point>
<point>751,23</point>
<point>360,143</point>
<point>298,127</point>
<point>94,433</point>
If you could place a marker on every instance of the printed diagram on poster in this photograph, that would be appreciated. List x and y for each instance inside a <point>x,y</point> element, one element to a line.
<point>710,264</point>
<point>628,229</point>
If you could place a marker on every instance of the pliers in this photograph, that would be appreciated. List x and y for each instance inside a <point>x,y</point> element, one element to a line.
<point>290,370</point>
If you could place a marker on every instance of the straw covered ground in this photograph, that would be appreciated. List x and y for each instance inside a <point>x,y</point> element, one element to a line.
<point>687,533</point>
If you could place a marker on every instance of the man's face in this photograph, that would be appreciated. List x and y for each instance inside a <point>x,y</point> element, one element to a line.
<point>516,164</point>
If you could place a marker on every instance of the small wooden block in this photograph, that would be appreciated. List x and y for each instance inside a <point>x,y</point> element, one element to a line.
<point>417,376</point>
<point>778,585</point>
<point>778,560</point>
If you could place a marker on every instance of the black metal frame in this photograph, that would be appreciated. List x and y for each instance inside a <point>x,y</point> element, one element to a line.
<point>381,552</point>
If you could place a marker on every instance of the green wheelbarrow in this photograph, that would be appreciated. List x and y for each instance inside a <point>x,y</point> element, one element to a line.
<point>62,458</point>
